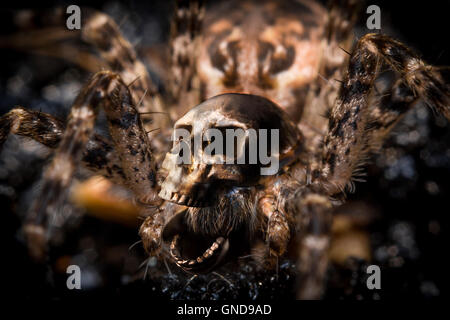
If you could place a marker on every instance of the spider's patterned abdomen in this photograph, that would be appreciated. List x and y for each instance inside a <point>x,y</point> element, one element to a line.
<point>263,48</point>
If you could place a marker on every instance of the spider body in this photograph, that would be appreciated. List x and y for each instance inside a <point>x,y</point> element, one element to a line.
<point>263,48</point>
<point>260,66</point>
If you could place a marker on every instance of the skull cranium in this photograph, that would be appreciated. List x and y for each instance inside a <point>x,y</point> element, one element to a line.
<point>198,182</point>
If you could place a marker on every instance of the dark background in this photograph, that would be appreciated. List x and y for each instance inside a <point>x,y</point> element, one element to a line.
<point>411,193</point>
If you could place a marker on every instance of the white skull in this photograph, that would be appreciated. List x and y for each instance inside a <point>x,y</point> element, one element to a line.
<point>199,183</point>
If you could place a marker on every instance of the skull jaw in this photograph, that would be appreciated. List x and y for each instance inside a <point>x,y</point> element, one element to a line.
<point>194,253</point>
<point>199,254</point>
<point>199,248</point>
<point>214,187</point>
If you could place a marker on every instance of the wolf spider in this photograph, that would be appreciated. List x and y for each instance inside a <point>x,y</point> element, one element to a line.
<point>266,65</point>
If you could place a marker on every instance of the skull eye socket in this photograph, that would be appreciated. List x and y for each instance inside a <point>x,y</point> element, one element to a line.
<point>218,138</point>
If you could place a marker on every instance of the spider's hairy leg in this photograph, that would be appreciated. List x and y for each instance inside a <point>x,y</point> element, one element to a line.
<point>99,155</point>
<point>417,82</point>
<point>36,125</point>
<point>345,145</point>
<point>105,89</point>
<point>151,231</point>
<point>386,111</point>
<point>424,80</point>
<point>314,219</point>
<point>185,30</point>
<point>278,227</point>
<point>104,34</point>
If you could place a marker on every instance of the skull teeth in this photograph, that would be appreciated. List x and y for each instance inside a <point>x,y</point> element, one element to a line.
<point>182,199</point>
<point>207,254</point>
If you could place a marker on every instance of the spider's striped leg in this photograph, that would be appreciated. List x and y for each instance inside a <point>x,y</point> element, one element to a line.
<point>103,33</point>
<point>107,90</point>
<point>314,219</point>
<point>386,110</point>
<point>36,125</point>
<point>272,203</point>
<point>279,228</point>
<point>345,145</point>
<point>185,29</point>
<point>99,155</point>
